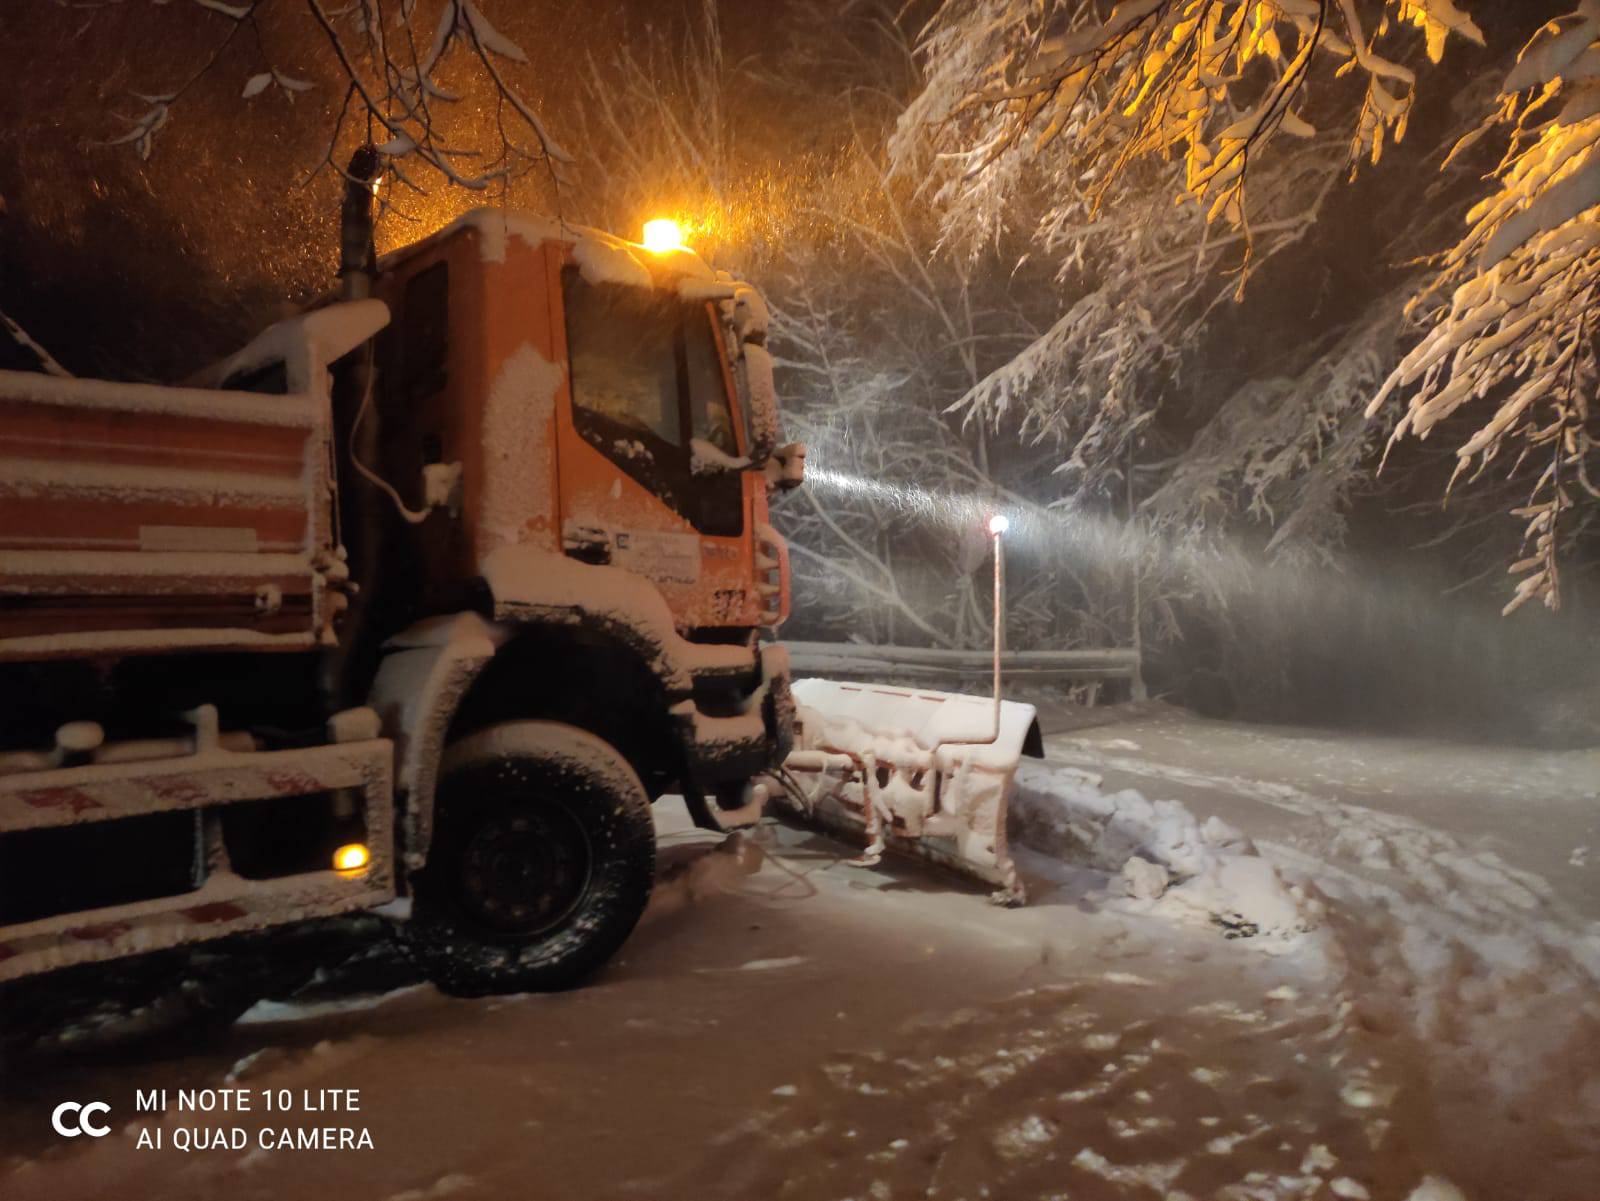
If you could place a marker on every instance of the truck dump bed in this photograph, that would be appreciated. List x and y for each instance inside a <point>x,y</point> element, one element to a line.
<point>140,518</point>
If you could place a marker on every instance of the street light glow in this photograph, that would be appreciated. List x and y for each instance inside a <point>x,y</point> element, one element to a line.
<point>999,524</point>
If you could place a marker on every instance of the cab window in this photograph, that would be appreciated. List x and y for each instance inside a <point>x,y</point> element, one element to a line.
<point>623,361</point>
<point>425,332</point>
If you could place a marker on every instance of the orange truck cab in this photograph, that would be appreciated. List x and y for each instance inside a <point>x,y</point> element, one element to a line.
<point>429,592</point>
<point>583,403</point>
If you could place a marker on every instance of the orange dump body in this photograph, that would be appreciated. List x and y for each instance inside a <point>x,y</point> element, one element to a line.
<point>136,518</point>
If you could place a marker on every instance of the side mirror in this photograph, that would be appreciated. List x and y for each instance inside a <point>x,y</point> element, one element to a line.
<point>785,469</point>
<point>706,458</point>
<point>747,321</point>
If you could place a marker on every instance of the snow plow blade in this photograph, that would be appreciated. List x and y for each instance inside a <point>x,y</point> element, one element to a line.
<point>913,771</point>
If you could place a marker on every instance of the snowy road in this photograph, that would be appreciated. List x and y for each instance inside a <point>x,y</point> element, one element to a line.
<point>1539,810</point>
<point>787,1026</point>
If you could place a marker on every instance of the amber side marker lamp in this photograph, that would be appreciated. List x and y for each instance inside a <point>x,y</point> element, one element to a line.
<point>351,857</point>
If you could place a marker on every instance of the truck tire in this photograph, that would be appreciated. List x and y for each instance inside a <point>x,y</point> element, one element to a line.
<point>542,859</point>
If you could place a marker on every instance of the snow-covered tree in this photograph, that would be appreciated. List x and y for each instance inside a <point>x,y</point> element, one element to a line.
<point>1142,280</point>
<point>874,334</point>
<point>1160,152</point>
<point>1510,312</point>
<point>395,95</point>
<point>1212,84</point>
<point>177,190</point>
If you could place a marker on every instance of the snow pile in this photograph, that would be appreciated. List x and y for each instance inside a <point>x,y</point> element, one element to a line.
<point>607,261</point>
<point>1163,857</point>
<point>305,344</point>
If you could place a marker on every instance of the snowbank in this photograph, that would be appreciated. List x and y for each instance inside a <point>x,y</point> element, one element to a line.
<point>1162,857</point>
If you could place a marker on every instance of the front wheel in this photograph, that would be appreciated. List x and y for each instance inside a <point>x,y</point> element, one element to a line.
<point>542,860</point>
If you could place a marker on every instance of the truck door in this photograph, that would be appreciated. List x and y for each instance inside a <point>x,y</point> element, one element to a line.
<point>650,449</point>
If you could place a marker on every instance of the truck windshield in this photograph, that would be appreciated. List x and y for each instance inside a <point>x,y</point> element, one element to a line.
<point>623,359</point>
<point>647,378</point>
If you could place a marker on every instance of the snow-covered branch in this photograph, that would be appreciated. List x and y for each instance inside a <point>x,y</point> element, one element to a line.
<point>1209,82</point>
<point>393,94</point>
<point>39,355</point>
<point>1509,311</point>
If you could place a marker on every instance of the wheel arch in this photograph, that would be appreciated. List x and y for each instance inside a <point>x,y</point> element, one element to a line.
<point>444,679</point>
<point>584,678</point>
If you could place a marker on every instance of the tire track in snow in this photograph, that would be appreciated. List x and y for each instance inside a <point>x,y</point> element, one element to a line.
<point>1478,959</point>
<point>1093,1088</point>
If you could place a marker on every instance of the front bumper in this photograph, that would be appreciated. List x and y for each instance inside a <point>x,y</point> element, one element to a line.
<point>743,735</point>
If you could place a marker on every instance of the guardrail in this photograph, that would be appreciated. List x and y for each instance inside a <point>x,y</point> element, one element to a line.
<point>849,660</point>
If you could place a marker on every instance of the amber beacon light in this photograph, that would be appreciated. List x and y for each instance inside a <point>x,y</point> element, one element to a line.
<point>663,234</point>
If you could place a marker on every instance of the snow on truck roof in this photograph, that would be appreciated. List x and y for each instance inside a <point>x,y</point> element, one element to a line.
<point>601,257</point>
<point>324,334</point>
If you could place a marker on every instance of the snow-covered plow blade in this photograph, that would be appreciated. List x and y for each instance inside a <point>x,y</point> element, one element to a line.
<point>920,772</point>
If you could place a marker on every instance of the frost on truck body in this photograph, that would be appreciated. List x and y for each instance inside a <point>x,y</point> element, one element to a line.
<point>526,582</point>
<point>517,437</point>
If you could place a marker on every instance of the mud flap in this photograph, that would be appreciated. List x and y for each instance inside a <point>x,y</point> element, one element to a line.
<point>914,771</point>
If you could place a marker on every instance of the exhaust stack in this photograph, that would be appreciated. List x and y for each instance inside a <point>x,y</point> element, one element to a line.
<point>358,256</point>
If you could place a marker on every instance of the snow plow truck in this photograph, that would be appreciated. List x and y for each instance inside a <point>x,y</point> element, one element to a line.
<point>430,590</point>
<point>427,592</point>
